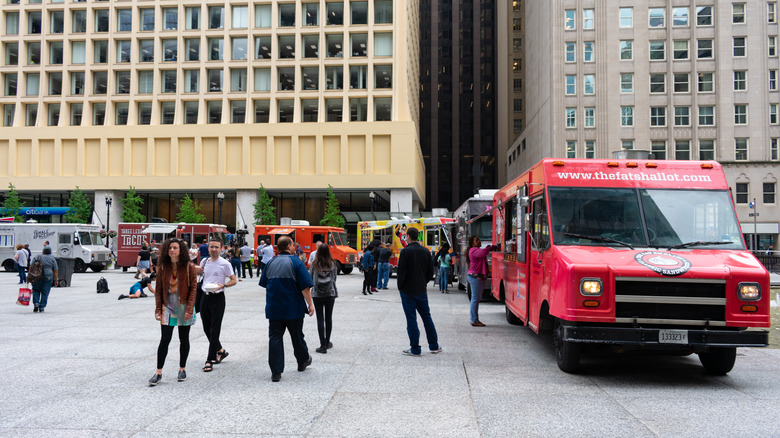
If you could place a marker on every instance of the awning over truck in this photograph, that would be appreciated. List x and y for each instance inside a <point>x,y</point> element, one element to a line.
<point>164,229</point>
<point>377,227</point>
<point>282,231</point>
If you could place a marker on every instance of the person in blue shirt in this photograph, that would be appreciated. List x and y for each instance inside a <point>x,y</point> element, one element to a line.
<point>137,289</point>
<point>369,265</point>
<point>287,285</point>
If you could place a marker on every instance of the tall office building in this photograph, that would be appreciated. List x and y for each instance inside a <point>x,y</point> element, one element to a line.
<point>189,96</point>
<point>458,99</point>
<point>684,80</point>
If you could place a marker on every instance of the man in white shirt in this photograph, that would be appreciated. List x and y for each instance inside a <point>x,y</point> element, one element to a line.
<point>267,254</point>
<point>258,256</point>
<point>313,254</point>
<point>246,258</point>
<point>215,270</point>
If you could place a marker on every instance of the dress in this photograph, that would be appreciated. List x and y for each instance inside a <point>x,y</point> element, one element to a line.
<point>173,312</point>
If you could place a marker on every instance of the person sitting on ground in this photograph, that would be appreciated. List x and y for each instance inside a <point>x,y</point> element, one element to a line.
<point>137,289</point>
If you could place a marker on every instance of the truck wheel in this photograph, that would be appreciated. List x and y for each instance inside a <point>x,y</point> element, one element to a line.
<point>567,353</point>
<point>339,266</point>
<point>461,286</point>
<point>9,266</point>
<point>80,266</point>
<point>346,270</point>
<point>719,360</point>
<point>96,268</point>
<point>510,317</point>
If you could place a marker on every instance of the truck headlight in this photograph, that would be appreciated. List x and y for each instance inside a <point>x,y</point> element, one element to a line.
<point>591,287</point>
<point>749,291</point>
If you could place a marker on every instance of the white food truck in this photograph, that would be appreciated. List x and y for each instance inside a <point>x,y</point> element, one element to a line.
<point>70,241</point>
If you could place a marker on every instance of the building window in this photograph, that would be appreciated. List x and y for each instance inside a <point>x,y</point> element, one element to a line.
<point>741,149</point>
<point>238,79</point>
<point>77,83</point>
<point>12,23</point>
<point>79,19</point>
<point>569,19</point>
<point>626,17</point>
<point>658,149</point>
<point>192,49</point>
<point>168,113</point>
<point>570,52</point>
<point>740,114</point>
<point>57,21</point>
<point>627,145</point>
<point>517,125</point>
<point>100,82</point>
<point>771,12</point>
<point>262,109</point>
<point>311,14</point>
<point>772,46</point>
<point>55,52</point>
<point>144,113</point>
<point>217,21</point>
<point>657,17</point>
<point>98,113</point>
<point>12,53</point>
<point>590,149</point>
<point>589,48</point>
<point>287,15</point>
<point>626,82</point>
<point>590,84</point>
<point>626,50</point>
<point>237,111</point>
<point>704,49</point>
<point>170,49</point>
<point>287,79</point>
<point>239,48</point>
<point>334,77</point>
<point>215,79</point>
<point>122,82</point>
<point>190,112</point>
<point>357,77</point>
<point>170,18</point>
<point>681,49</point>
<point>216,49</point>
<point>772,80</point>
<point>739,46</point>
<point>33,84</point>
<point>774,149</point>
<point>680,17</point>
<point>287,46</point>
<point>517,85</point>
<point>333,109</point>
<point>383,77</point>
<point>626,116</point>
<point>359,44</point>
<point>311,45</point>
<point>358,12</point>
<point>681,82</point>
<point>682,116</point>
<point>682,150</point>
<point>240,18</point>
<point>517,24</point>
<point>658,83</point>
<point>738,13</point>
<point>740,80</point>
<point>358,109</point>
<point>571,87</point>
<point>121,109</point>
<point>124,18</point>
<point>383,12</point>
<point>55,84</point>
<point>587,18</point>
<point>147,19</point>
<point>192,21</point>
<point>658,116</point>
<point>146,50</point>
<point>78,52</point>
<point>145,82</point>
<point>101,20</point>
<point>335,13</point>
<point>517,44</point>
<point>590,117</point>
<point>706,149</point>
<point>192,81</point>
<point>214,111</point>
<point>571,149</point>
<point>263,16</point>
<point>704,16</point>
<point>706,115</point>
<point>123,51</point>
<point>76,110</point>
<point>773,113</point>
<point>571,117</point>
<point>742,193</point>
<point>517,105</point>
<point>310,77</point>
<point>335,44</point>
<point>168,79</point>
<point>262,79</point>
<point>705,83</point>
<point>769,192</point>
<point>10,84</point>
<point>383,109</point>
<point>54,114</point>
<point>263,47</point>
<point>657,50</point>
<point>383,44</point>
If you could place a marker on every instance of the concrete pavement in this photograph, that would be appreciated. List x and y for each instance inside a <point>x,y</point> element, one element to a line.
<point>80,369</point>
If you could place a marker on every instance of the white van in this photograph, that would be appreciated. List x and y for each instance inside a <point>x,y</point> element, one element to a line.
<point>70,241</point>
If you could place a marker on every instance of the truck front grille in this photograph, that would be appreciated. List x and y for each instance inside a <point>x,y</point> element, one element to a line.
<point>670,301</point>
<point>352,258</point>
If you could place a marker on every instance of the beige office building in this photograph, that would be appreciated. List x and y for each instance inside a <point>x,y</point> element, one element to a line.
<point>204,96</point>
<point>686,80</point>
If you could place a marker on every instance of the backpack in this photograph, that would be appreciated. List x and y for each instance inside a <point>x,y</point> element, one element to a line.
<point>102,286</point>
<point>35,273</point>
<point>324,283</point>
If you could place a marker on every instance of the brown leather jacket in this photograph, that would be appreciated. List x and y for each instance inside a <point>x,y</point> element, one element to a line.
<point>187,289</point>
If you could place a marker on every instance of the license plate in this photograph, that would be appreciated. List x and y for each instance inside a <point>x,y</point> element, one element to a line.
<point>673,336</point>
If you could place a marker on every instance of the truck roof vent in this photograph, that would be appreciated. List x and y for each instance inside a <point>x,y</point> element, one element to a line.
<point>632,154</point>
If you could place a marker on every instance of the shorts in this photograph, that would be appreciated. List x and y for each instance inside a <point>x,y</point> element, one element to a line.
<point>143,264</point>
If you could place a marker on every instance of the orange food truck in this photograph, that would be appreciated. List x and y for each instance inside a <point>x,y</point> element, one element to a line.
<point>307,236</point>
<point>640,254</point>
<point>130,237</point>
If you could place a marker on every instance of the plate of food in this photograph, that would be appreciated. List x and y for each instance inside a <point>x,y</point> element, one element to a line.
<point>211,287</point>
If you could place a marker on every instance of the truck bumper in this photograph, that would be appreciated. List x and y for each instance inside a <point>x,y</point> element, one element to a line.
<point>649,337</point>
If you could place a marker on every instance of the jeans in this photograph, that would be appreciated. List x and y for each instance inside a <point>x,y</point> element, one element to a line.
<point>276,329</point>
<point>22,273</point>
<point>324,308</point>
<point>235,262</point>
<point>444,277</point>
<point>383,275</point>
<point>212,311</point>
<point>414,304</point>
<point>41,290</point>
<point>477,287</point>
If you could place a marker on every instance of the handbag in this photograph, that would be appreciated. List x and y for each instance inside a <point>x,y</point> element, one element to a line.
<point>24,296</point>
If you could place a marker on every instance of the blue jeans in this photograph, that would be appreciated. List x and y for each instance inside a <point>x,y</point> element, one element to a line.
<point>414,304</point>
<point>383,275</point>
<point>477,287</point>
<point>444,277</point>
<point>41,291</point>
<point>235,262</point>
<point>22,273</point>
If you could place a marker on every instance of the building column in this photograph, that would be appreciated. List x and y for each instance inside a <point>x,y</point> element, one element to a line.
<point>402,200</point>
<point>245,213</point>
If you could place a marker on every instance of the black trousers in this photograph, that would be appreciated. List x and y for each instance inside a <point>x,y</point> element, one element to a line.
<point>324,308</point>
<point>211,312</point>
<point>369,279</point>
<point>260,267</point>
<point>165,340</point>
<point>246,267</point>
<point>276,328</point>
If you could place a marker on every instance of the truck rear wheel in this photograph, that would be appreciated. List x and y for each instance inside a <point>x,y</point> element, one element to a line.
<point>510,317</point>
<point>96,268</point>
<point>567,353</point>
<point>9,266</point>
<point>80,266</point>
<point>346,269</point>
<point>339,267</point>
<point>719,360</point>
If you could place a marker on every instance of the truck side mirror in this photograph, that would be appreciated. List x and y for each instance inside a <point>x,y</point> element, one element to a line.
<point>527,223</point>
<point>523,201</point>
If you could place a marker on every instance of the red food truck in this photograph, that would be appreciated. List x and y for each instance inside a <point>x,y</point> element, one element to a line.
<point>307,236</point>
<point>131,236</point>
<point>640,254</point>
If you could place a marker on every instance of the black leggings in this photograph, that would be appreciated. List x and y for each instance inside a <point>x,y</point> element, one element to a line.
<point>324,308</point>
<point>368,275</point>
<point>184,345</point>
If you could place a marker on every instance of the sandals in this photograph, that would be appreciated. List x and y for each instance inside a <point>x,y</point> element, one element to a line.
<point>221,356</point>
<point>208,367</point>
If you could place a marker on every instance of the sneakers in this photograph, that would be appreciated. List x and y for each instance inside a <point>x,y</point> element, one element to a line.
<point>436,351</point>
<point>121,297</point>
<point>330,345</point>
<point>322,350</point>
<point>409,353</point>
<point>364,293</point>
<point>155,379</point>
<point>302,366</point>
<point>385,288</point>
<point>478,324</point>
<point>373,289</point>
<point>276,377</point>
<point>36,308</point>
<point>182,376</point>
<point>143,295</point>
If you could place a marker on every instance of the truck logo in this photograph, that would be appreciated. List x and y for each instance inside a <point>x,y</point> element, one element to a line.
<point>663,263</point>
<point>42,234</point>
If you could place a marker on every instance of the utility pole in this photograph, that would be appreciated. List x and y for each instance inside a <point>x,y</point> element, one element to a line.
<point>754,215</point>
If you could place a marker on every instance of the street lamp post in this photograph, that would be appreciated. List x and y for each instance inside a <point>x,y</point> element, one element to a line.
<point>754,215</point>
<point>372,195</point>
<point>220,199</point>
<point>108,220</point>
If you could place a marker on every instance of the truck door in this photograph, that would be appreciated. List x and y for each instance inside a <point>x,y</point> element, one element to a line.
<point>539,242</point>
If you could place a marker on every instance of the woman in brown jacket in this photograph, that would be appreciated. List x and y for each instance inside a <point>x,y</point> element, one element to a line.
<point>174,298</point>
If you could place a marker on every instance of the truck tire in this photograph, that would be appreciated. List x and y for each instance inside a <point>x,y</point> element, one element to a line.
<point>510,317</point>
<point>96,268</point>
<point>9,266</point>
<point>80,266</point>
<point>339,267</point>
<point>346,269</point>
<point>461,286</point>
<point>719,360</point>
<point>567,353</point>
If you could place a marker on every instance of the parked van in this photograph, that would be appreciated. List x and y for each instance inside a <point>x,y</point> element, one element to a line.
<point>70,241</point>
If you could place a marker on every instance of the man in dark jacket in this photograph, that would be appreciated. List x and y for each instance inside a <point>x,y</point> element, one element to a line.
<point>415,270</point>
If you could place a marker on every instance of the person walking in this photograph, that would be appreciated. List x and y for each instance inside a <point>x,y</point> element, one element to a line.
<point>41,289</point>
<point>259,256</point>
<point>383,266</point>
<point>21,259</point>
<point>143,261</point>
<point>477,274</point>
<point>234,254</point>
<point>368,267</point>
<point>443,260</point>
<point>324,272</point>
<point>215,270</point>
<point>267,254</point>
<point>415,270</point>
<point>174,299</point>
<point>287,286</point>
<point>313,254</point>
<point>246,260</point>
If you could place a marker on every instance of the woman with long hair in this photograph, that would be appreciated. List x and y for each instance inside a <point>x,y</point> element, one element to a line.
<point>477,274</point>
<point>174,298</point>
<point>442,260</point>
<point>324,272</point>
<point>234,253</point>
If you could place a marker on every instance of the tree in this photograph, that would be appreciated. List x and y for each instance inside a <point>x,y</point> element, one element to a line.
<point>131,207</point>
<point>12,205</point>
<point>264,210</point>
<point>80,208</point>
<point>332,217</point>
<point>190,211</point>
